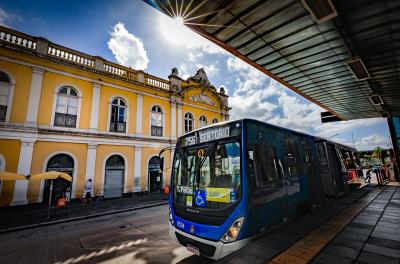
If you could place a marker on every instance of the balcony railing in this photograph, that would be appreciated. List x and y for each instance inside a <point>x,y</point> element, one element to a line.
<point>45,48</point>
<point>156,131</point>
<point>65,120</point>
<point>119,127</point>
<point>17,38</point>
<point>70,55</point>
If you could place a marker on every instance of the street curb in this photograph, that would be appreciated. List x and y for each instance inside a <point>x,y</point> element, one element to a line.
<point>14,229</point>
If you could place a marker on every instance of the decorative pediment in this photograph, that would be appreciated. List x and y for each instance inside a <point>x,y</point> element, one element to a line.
<point>201,78</point>
<point>202,98</point>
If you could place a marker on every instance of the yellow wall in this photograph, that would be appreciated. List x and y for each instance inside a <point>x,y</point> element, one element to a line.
<point>103,152</point>
<point>43,150</point>
<point>23,77</point>
<point>197,113</point>
<point>109,93</point>
<point>10,151</point>
<point>51,82</point>
<point>195,91</point>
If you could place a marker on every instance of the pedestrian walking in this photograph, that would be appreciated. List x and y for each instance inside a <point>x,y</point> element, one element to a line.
<point>368,177</point>
<point>67,194</point>
<point>88,192</point>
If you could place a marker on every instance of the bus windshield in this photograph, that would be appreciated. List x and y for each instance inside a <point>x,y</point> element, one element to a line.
<point>207,176</point>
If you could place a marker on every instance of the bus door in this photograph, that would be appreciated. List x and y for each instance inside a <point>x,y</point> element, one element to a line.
<point>343,171</point>
<point>309,170</point>
<point>267,186</point>
<point>294,180</point>
<point>328,180</point>
<point>336,168</point>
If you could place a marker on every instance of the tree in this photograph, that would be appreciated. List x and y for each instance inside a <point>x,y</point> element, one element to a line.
<point>378,153</point>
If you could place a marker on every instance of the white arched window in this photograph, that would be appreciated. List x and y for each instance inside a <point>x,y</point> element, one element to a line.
<point>67,107</point>
<point>156,121</point>
<point>215,120</point>
<point>188,122</point>
<point>118,116</point>
<point>5,88</point>
<point>203,121</point>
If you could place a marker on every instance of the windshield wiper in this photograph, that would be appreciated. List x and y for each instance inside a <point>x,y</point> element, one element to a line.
<point>207,154</point>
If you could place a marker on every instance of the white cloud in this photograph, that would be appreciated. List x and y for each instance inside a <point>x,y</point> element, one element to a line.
<point>296,114</point>
<point>373,141</point>
<point>366,143</point>
<point>259,97</point>
<point>194,55</point>
<point>210,69</point>
<point>183,71</point>
<point>7,18</point>
<point>330,129</point>
<point>127,49</point>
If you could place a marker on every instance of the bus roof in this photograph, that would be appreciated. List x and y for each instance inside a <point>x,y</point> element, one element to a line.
<point>243,120</point>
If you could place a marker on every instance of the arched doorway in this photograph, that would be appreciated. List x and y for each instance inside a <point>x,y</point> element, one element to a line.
<point>155,179</point>
<point>63,163</point>
<point>114,177</point>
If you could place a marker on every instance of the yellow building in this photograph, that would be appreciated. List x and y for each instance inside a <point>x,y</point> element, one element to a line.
<point>64,110</point>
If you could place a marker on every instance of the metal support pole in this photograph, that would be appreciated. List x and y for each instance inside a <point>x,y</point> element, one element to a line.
<point>50,196</point>
<point>395,144</point>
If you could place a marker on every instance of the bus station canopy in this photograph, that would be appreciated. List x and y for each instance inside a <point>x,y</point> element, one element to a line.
<point>342,55</point>
<point>51,175</point>
<point>10,176</point>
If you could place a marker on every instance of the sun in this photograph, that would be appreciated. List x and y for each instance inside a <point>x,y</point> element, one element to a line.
<point>174,30</point>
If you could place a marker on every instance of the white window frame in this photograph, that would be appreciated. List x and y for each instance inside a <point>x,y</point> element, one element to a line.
<point>10,95</point>
<point>201,121</point>
<point>215,119</point>
<point>184,122</point>
<point>53,111</point>
<point>163,120</point>
<point>127,108</point>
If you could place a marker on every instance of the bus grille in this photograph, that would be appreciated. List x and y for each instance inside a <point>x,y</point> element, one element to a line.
<point>206,250</point>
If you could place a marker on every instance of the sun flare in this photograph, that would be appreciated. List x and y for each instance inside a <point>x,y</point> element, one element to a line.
<point>174,30</point>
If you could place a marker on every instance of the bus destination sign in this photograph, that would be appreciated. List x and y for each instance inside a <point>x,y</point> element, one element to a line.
<point>208,135</point>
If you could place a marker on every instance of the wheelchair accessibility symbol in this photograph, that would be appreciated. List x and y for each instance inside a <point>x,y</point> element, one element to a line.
<point>200,198</point>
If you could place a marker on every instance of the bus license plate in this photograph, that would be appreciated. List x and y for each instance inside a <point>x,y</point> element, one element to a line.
<point>193,249</point>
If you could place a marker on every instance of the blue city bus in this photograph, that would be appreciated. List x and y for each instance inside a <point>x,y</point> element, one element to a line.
<point>232,181</point>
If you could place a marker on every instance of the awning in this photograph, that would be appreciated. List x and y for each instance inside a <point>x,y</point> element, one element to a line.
<point>10,176</point>
<point>342,55</point>
<point>51,175</point>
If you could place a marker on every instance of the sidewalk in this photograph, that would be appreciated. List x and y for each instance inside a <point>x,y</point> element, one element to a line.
<point>372,237</point>
<point>274,243</point>
<point>25,216</point>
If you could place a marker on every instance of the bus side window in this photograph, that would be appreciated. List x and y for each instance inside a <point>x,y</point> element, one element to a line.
<point>291,157</point>
<point>265,167</point>
<point>323,158</point>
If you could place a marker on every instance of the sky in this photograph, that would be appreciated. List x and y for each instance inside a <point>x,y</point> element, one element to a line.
<point>134,34</point>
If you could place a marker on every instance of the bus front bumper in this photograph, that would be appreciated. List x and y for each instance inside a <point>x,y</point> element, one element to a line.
<point>207,248</point>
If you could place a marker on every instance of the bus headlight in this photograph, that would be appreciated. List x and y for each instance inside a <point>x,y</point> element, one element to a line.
<point>170,217</point>
<point>233,231</point>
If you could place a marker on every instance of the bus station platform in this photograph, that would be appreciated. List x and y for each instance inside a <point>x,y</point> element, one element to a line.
<point>360,227</point>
